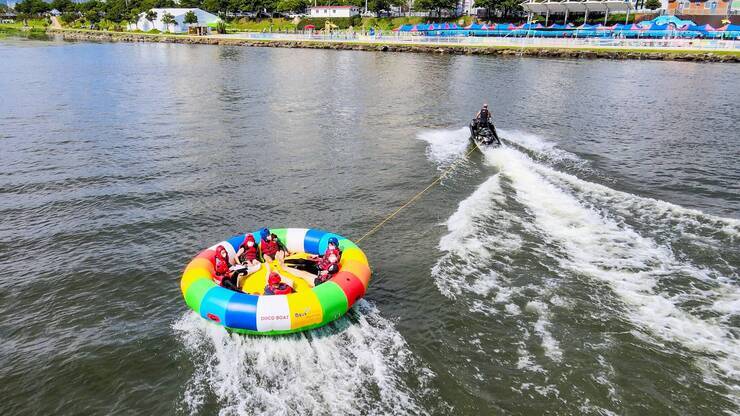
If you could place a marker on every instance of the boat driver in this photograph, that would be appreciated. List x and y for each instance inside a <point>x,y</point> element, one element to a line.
<point>483,118</point>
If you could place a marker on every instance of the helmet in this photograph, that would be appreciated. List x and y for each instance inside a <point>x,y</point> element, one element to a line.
<point>333,240</point>
<point>264,233</point>
<point>274,278</point>
<point>485,105</point>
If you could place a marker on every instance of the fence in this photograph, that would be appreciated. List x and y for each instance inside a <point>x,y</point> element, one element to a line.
<point>514,42</point>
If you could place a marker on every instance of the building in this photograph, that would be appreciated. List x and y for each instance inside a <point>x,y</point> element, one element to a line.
<point>700,7</point>
<point>204,19</point>
<point>334,11</point>
<point>7,17</point>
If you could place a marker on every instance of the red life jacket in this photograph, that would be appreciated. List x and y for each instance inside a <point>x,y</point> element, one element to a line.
<point>324,263</point>
<point>221,268</point>
<point>280,289</point>
<point>269,248</point>
<point>249,253</point>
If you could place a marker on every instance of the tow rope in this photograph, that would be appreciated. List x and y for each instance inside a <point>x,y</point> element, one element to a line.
<point>418,195</point>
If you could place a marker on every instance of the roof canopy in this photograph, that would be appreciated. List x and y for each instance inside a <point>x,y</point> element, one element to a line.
<point>577,6</point>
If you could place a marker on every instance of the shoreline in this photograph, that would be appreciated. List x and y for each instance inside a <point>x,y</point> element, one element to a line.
<point>531,51</point>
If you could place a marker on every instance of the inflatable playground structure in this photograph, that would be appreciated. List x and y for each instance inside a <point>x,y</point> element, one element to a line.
<point>664,27</point>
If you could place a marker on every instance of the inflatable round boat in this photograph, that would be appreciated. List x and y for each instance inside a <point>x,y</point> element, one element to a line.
<point>252,312</point>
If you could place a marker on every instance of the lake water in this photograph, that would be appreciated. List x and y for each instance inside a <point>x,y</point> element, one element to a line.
<point>590,266</point>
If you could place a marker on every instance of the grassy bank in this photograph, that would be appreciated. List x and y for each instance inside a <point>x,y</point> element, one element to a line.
<point>32,24</point>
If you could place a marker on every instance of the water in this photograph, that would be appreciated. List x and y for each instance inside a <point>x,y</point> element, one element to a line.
<point>588,267</point>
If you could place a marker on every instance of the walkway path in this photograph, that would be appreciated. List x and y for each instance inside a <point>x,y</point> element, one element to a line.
<point>55,22</point>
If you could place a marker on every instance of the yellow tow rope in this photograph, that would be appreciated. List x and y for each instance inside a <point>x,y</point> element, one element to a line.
<point>418,195</point>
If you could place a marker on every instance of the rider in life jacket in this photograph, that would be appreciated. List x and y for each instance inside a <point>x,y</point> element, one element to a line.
<point>272,247</point>
<point>328,264</point>
<point>249,252</point>
<point>275,286</point>
<point>483,119</point>
<point>222,267</point>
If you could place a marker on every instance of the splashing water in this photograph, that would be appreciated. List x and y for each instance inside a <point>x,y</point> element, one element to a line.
<point>445,145</point>
<point>345,368</point>
<point>589,230</point>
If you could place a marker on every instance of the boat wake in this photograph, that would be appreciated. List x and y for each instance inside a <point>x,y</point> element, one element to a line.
<point>536,244</point>
<point>445,145</point>
<point>358,365</point>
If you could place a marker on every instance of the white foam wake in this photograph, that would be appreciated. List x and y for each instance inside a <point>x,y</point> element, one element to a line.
<point>540,146</point>
<point>346,368</point>
<point>445,145</point>
<point>616,254</point>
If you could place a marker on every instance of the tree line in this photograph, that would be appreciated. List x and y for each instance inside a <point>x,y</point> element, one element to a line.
<point>129,10</point>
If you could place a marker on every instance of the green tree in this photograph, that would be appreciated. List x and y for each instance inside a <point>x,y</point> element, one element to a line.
<point>435,5</point>
<point>508,7</point>
<point>291,5</point>
<point>151,16</point>
<point>192,3</point>
<point>92,16</point>
<point>489,5</point>
<point>117,10</point>
<point>235,5</point>
<point>190,18</point>
<point>90,5</point>
<point>216,6</point>
<point>165,3</point>
<point>64,6</point>
<point>376,6</point>
<point>32,7</point>
<point>168,19</point>
<point>3,8</point>
<point>68,18</point>
<point>133,18</point>
<point>260,5</point>
<point>652,4</point>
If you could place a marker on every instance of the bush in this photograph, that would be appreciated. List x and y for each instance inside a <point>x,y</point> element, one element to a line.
<point>68,18</point>
<point>154,31</point>
<point>221,27</point>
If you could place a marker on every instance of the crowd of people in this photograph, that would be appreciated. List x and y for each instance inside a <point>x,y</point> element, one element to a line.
<point>250,257</point>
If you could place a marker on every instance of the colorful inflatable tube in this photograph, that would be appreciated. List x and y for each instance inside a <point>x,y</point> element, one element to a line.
<point>305,309</point>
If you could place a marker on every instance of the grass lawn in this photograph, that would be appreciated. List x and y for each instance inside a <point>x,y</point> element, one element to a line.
<point>32,23</point>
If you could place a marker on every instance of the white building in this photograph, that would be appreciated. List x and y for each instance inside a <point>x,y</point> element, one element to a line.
<point>334,11</point>
<point>204,19</point>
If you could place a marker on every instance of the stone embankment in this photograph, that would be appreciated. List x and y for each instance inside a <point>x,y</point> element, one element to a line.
<point>698,56</point>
